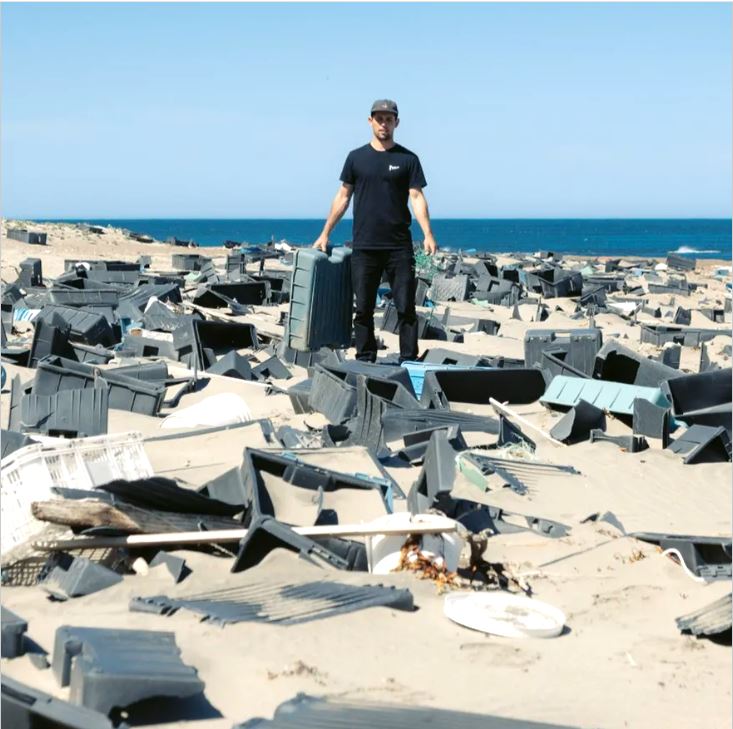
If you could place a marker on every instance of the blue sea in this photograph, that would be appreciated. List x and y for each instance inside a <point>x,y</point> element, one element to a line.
<point>702,238</point>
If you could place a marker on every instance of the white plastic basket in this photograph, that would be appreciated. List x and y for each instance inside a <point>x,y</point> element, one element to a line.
<point>29,474</point>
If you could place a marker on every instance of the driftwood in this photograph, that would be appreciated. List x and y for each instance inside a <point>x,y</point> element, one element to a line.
<point>85,513</point>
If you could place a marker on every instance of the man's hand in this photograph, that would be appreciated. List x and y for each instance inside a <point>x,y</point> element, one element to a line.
<point>430,246</point>
<point>321,243</point>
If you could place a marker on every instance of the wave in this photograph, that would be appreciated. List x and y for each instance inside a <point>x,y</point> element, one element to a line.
<point>690,249</point>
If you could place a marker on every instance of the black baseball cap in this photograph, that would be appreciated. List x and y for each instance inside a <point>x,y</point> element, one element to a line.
<point>385,105</point>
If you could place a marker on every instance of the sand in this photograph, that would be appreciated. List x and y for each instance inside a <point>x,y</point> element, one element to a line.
<point>621,661</point>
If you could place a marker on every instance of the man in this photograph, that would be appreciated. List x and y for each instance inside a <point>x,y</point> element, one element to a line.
<point>382,175</point>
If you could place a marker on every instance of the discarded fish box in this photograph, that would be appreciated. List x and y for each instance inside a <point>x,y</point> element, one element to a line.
<point>557,283</point>
<point>302,494</point>
<point>50,338</point>
<point>105,668</point>
<point>27,236</point>
<point>187,261</point>
<point>616,363</point>
<point>576,347</point>
<point>515,386</point>
<point>659,335</point>
<point>115,275</point>
<point>703,399</point>
<point>87,297</point>
<point>31,273</point>
<point>351,369</point>
<point>681,263</point>
<point>321,300</point>
<point>417,370</point>
<point>192,341</point>
<point>450,288</point>
<point>566,392</point>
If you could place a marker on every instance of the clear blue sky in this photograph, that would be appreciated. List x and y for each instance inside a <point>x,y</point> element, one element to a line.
<point>248,110</point>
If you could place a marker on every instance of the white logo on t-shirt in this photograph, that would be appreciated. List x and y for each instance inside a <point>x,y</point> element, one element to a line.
<point>393,167</point>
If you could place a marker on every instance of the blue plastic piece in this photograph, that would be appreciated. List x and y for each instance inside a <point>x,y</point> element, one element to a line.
<point>417,371</point>
<point>320,300</point>
<point>616,397</point>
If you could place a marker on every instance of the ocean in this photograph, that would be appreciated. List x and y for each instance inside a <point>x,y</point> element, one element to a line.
<point>702,238</point>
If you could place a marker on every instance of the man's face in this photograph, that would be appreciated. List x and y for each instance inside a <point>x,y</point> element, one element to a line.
<point>383,124</point>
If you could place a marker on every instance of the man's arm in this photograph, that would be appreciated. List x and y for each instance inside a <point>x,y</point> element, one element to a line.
<point>420,209</point>
<point>339,206</point>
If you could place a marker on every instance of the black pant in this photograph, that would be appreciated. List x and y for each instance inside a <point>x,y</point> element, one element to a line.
<point>367,267</point>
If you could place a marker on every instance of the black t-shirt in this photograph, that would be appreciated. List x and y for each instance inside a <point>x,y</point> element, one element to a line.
<point>382,181</point>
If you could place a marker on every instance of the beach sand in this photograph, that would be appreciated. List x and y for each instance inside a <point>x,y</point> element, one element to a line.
<point>621,662</point>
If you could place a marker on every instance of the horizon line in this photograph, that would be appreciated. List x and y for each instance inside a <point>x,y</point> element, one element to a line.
<point>130,217</point>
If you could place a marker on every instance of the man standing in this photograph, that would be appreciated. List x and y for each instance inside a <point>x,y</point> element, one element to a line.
<point>382,175</point>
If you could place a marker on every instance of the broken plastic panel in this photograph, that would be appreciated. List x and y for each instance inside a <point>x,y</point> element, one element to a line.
<point>398,422</point>
<point>91,355</point>
<point>390,322</point>
<point>108,668</point>
<point>271,369</point>
<point>439,469</point>
<point>11,441</point>
<point>629,443</point>
<point>232,365</point>
<point>70,413</point>
<point>69,577</point>
<point>321,300</point>
<point>566,392</point>
<point>511,433</point>
<point>576,425</point>
<point>299,395</point>
<point>331,395</point>
<point>711,620</point>
<point>279,603</point>
<point>176,566</point>
<point>521,475</point>
<point>140,295</point>
<point>651,421</point>
<point>478,518</point>
<point>703,444</point>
